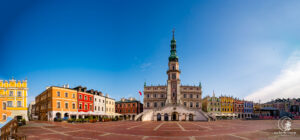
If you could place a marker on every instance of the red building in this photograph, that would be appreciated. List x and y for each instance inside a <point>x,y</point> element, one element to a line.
<point>85,100</point>
<point>129,108</point>
<point>238,107</point>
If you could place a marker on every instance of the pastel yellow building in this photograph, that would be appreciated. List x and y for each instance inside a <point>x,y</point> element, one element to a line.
<point>109,106</point>
<point>226,104</point>
<point>14,98</point>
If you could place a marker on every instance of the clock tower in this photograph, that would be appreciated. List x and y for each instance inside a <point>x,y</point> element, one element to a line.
<point>173,87</point>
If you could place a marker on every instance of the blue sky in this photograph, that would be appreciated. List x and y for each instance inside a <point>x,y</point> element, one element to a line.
<point>233,47</point>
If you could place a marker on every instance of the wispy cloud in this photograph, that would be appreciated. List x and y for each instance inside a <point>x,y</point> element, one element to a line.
<point>286,85</point>
<point>145,66</point>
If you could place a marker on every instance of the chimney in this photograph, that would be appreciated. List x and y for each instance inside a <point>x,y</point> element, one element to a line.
<point>84,89</point>
<point>67,85</point>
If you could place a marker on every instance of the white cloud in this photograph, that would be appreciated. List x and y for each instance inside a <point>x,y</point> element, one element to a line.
<point>286,85</point>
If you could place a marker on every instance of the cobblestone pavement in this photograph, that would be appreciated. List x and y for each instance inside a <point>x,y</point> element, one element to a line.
<point>130,130</point>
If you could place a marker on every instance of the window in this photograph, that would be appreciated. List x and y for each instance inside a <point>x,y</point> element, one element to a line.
<point>85,98</point>
<point>184,103</point>
<point>148,96</point>
<point>197,95</point>
<point>184,95</point>
<point>73,105</point>
<point>58,105</point>
<point>173,94</point>
<point>197,104</point>
<point>9,103</point>
<point>155,104</point>
<point>162,104</point>
<point>191,104</point>
<point>67,105</point>
<point>148,104</point>
<point>19,103</point>
<point>80,97</point>
<point>162,95</point>
<point>95,99</point>
<point>80,106</point>
<point>133,110</point>
<point>66,94</point>
<point>58,94</point>
<point>103,101</point>
<point>211,109</point>
<point>98,108</point>
<point>173,67</point>
<point>73,95</point>
<point>102,109</point>
<point>154,95</point>
<point>4,106</point>
<point>19,93</point>
<point>11,93</point>
<point>100,100</point>
<point>173,76</point>
<point>91,99</point>
<point>85,107</point>
<point>4,116</point>
<point>191,95</point>
<point>91,107</point>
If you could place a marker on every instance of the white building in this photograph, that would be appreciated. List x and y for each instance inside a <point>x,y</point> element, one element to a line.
<point>173,101</point>
<point>99,103</point>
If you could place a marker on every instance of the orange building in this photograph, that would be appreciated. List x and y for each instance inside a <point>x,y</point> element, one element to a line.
<point>56,102</point>
<point>4,113</point>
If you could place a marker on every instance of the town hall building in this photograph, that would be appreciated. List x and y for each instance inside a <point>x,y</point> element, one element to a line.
<point>172,102</point>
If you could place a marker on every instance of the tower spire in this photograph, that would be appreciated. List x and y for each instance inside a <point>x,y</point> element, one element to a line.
<point>173,56</point>
<point>173,33</point>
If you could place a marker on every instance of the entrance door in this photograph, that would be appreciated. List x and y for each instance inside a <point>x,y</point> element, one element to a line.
<point>191,117</point>
<point>158,117</point>
<point>166,117</point>
<point>174,116</point>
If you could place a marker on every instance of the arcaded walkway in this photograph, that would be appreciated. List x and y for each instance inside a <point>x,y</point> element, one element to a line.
<point>130,130</point>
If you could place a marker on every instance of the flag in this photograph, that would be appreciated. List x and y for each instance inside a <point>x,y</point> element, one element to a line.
<point>140,93</point>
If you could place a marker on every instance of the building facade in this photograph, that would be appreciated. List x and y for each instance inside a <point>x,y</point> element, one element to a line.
<point>84,101</point>
<point>227,107</point>
<point>172,101</point>
<point>129,108</point>
<point>31,111</point>
<point>239,108</point>
<point>56,103</point>
<point>248,110</point>
<point>4,113</point>
<point>99,103</point>
<point>212,105</point>
<point>14,101</point>
<point>109,106</point>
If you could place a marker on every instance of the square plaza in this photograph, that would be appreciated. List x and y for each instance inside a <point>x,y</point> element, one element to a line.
<point>161,130</point>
